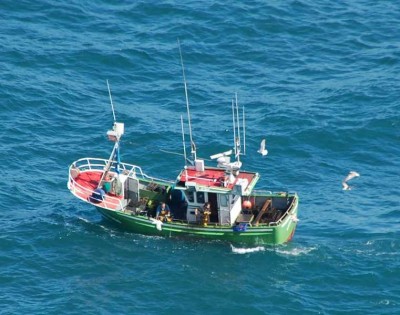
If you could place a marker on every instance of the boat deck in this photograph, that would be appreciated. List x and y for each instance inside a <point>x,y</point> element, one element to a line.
<point>89,180</point>
<point>84,185</point>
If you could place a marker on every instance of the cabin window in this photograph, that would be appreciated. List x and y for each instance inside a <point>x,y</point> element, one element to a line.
<point>224,201</point>
<point>200,197</point>
<point>190,196</point>
<point>235,198</point>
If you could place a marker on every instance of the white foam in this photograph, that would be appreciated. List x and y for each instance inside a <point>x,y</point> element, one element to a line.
<point>84,220</point>
<point>295,251</point>
<point>247,250</point>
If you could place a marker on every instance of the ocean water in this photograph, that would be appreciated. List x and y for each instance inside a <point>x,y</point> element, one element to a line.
<point>319,80</point>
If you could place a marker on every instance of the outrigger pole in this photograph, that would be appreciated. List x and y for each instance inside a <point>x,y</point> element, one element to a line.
<point>112,105</point>
<point>192,145</point>
<point>108,166</point>
<point>115,136</point>
<point>238,142</point>
<point>244,135</point>
<point>183,140</point>
<point>236,129</point>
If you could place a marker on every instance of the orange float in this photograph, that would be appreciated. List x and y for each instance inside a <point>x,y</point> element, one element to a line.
<point>247,204</point>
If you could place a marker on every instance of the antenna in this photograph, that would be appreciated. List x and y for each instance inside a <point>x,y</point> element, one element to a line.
<point>183,139</point>
<point>234,127</point>
<point>114,135</point>
<point>192,145</point>
<point>112,105</point>
<point>238,142</point>
<point>244,135</point>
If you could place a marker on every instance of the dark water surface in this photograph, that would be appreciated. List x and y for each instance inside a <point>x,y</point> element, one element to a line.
<point>319,80</point>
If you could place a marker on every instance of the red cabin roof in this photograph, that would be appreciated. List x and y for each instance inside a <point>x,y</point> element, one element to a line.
<point>213,177</point>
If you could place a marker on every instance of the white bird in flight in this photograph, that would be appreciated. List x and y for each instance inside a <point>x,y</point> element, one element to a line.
<point>351,175</point>
<point>262,150</point>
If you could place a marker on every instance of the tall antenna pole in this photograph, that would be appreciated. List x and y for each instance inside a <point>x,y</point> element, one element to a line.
<point>192,145</point>
<point>112,105</point>
<point>244,134</point>
<point>234,127</point>
<point>238,126</point>
<point>183,139</point>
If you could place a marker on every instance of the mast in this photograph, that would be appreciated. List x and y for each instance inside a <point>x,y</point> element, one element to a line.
<point>112,105</point>
<point>108,166</point>
<point>234,128</point>
<point>192,145</point>
<point>183,140</point>
<point>114,135</point>
<point>244,135</point>
<point>238,142</point>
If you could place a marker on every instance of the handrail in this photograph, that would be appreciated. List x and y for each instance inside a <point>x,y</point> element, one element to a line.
<point>256,191</point>
<point>80,191</point>
<point>292,205</point>
<point>97,164</point>
<point>269,192</point>
<point>128,169</point>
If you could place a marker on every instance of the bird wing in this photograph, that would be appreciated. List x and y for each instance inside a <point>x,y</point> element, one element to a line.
<point>262,145</point>
<point>351,175</point>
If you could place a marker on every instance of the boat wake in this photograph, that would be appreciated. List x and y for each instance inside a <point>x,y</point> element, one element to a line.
<point>247,250</point>
<point>85,220</point>
<point>295,251</point>
<point>89,226</point>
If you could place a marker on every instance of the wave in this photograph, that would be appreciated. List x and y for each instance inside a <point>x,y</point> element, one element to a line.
<point>297,251</point>
<point>237,250</point>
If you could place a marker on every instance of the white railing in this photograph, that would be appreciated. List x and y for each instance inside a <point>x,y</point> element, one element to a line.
<point>130,170</point>
<point>95,164</point>
<point>85,194</point>
<point>262,192</point>
<point>272,193</point>
<point>293,204</point>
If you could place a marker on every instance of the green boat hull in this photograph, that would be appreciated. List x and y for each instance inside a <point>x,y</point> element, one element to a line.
<point>262,234</point>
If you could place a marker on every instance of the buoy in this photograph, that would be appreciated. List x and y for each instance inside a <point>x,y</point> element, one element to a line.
<point>247,204</point>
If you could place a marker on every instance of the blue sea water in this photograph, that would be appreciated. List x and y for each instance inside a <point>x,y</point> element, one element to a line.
<point>318,79</point>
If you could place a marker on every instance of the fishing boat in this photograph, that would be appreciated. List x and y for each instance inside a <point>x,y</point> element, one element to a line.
<point>126,195</point>
<point>207,201</point>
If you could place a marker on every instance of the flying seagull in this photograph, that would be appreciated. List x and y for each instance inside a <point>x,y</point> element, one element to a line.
<point>351,175</point>
<point>262,150</point>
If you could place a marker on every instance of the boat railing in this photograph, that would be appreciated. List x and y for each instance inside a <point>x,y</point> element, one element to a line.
<point>262,192</point>
<point>96,164</point>
<point>272,193</point>
<point>86,194</point>
<point>292,205</point>
<point>130,170</point>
